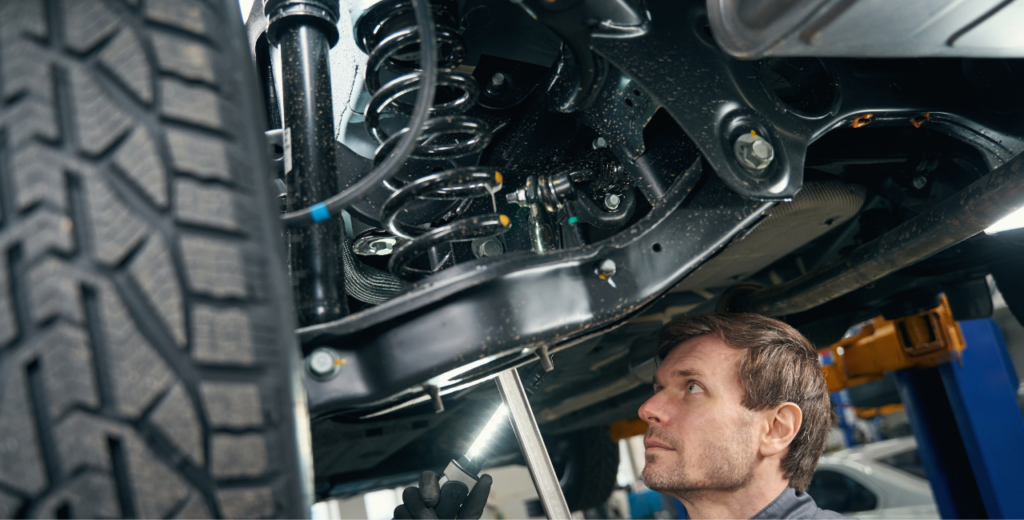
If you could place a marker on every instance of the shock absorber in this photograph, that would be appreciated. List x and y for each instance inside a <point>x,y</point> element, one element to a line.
<point>305,30</point>
<point>388,33</point>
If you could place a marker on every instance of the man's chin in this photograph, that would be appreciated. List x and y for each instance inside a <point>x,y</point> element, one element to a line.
<point>654,475</point>
<point>653,480</point>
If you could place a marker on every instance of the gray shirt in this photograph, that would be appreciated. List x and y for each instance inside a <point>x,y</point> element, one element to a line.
<point>794,504</point>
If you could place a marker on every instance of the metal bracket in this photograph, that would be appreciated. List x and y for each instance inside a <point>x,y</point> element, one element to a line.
<point>716,99</point>
<point>620,113</point>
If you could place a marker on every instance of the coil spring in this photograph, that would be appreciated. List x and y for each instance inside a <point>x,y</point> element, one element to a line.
<point>389,40</point>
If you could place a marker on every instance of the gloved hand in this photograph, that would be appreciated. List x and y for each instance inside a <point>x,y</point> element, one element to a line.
<point>430,500</point>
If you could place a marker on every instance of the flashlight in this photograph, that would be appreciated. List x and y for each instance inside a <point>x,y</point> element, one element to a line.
<point>466,468</point>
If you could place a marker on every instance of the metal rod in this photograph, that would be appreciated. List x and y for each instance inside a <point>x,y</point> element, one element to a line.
<point>532,444</point>
<point>317,278</point>
<point>949,222</point>
<point>266,62</point>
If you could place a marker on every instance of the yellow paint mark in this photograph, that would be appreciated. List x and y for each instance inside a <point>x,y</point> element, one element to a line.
<point>497,177</point>
<point>753,134</point>
<point>341,361</point>
<point>504,220</point>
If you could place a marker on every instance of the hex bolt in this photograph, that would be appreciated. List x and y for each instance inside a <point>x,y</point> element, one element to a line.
<point>323,363</point>
<point>517,197</point>
<point>920,182</point>
<point>754,151</point>
<point>612,201</point>
<point>600,142</point>
<point>498,80</point>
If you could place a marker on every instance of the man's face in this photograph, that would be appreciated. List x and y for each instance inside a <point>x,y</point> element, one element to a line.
<point>700,437</point>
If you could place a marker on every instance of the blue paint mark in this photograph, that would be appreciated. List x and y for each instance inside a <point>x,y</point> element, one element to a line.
<point>319,212</point>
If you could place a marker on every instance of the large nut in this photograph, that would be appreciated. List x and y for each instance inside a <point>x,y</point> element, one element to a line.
<point>754,151</point>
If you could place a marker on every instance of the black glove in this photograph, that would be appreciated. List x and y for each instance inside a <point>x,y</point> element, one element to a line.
<point>449,501</point>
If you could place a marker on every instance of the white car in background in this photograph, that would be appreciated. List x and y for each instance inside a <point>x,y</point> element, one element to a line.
<point>880,480</point>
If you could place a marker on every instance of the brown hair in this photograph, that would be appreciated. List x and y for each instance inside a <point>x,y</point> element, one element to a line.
<point>780,366</point>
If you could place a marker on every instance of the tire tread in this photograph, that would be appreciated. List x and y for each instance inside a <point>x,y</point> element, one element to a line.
<point>142,367</point>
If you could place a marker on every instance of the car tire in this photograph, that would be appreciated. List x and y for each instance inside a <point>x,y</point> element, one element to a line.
<point>587,464</point>
<point>148,364</point>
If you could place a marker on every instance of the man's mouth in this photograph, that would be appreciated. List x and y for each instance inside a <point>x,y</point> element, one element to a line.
<point>652,443</point>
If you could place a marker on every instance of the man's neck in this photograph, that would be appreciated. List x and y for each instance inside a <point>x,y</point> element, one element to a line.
<point>738,503</point>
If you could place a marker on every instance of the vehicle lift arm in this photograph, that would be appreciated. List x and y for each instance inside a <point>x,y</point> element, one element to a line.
<point>921,340</point>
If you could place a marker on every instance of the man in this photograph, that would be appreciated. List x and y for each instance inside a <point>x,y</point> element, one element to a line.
<point>738,420</point>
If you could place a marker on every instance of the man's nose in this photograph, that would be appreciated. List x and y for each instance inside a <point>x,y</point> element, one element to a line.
<point>650,411</point>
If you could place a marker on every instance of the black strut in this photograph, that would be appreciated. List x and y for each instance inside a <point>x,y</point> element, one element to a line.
<point>306,30</point>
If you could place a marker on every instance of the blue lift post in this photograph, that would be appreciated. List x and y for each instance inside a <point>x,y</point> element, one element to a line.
<point>969,430</point>
<point>847,418</point>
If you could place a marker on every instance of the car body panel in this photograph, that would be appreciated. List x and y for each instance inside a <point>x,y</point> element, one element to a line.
<point>899,493</point>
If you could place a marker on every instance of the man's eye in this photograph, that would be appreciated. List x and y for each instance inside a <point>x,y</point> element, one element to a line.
<point>694,388</point>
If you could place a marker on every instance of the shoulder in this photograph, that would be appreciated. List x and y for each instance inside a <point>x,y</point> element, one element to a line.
<point>796,505</point>
<point>824,513</point>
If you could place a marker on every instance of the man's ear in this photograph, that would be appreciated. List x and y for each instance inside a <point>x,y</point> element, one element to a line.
<point>783,424</point>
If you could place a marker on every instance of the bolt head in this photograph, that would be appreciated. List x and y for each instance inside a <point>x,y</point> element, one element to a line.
<point>498,79</point>
<point>752,152</point>
<point>322,363</point>
<point>762,150</point>
<point>600,142</point>
<point>612,201</point>
<point>920,182</point>
<point>517,197</point>
<point>607,267</point>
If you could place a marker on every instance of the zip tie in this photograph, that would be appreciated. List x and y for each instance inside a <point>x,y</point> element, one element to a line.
<point>319,212</point>
<point>573,220</point>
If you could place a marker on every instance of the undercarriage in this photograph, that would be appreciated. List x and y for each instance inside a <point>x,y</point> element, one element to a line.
<point>590,169</point>
<point>369,210</point>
